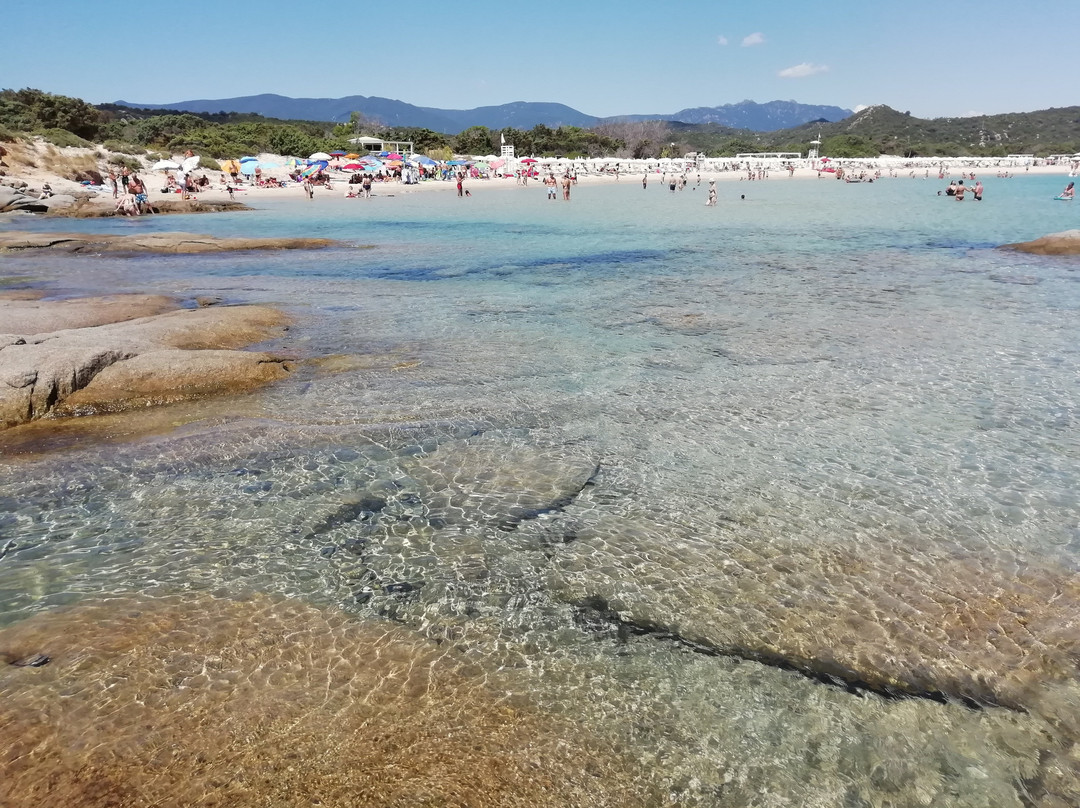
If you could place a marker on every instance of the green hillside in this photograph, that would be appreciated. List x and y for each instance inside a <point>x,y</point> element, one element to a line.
<point>868,133</point>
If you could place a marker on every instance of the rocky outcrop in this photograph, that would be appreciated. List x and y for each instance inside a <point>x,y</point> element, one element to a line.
<point>1067,243</point>
<point>114,366</point>
<point>16,199</point>
<point>164,377</point>
<point>29,314</point>
<point>173,243</point>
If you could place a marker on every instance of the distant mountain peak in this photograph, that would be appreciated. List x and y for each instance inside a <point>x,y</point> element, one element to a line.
<point>765,117</point>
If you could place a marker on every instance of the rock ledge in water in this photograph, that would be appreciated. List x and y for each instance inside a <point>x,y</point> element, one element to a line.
<point>150,243</point>
<point>113,366</point>
<point>1066,243</point>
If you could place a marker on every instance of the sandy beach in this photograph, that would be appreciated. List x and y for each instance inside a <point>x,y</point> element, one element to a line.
<point>37,163</point>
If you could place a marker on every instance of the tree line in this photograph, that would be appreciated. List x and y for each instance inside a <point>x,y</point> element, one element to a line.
<point>880,130</point>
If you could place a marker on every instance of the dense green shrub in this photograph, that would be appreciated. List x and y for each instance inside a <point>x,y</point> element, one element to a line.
<point>124,148</point>
<point>62,137</point>
<point>28,110</point>
<point>125,162</point>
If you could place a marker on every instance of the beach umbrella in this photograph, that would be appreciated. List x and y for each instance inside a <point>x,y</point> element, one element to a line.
<point>424,159</point>
<point>483,166</point>
<point>337,154</point>
<point>268,166</point>
<point>249,167</point>
<point>528,160</point>
<point>499,163</point>
<point>322,156</point>
<point>351,156</point>
<point>393,156</point>
<point>352,167</point>
<point>190,164</point>
<point>314,168</point>
<point>165,165</point>
<point>457,162</point>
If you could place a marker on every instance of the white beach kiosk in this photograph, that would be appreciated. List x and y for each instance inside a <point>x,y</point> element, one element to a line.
<point>374,145</point>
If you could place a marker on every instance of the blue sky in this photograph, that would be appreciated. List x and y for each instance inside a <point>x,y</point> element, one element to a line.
<point>602,57</point>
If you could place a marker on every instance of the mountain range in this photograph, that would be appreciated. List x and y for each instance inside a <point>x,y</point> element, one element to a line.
<point>767,117</point>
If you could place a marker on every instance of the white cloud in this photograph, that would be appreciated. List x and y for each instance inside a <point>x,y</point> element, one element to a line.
<point>802,71</point>
<point>721,40</point>
<point>753,39</point>
<point>861,107</point>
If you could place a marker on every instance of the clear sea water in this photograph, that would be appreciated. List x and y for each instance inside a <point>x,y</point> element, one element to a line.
<point>780,496</point>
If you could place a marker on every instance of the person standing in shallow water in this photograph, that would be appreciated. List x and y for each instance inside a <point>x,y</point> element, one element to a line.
<point>566,187</point>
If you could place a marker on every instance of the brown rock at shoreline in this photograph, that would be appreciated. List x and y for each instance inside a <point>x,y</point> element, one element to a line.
<point>36,316</point>
<point>164,377</point>
<point>176,243</point>
<point>1067,243</point>
<point>163,206</point>
<point>188,355</point>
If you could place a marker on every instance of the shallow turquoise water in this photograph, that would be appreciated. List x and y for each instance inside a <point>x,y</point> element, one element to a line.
<point>613,446</point>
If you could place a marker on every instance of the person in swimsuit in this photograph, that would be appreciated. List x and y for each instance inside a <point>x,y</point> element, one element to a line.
<point>1069,191</point>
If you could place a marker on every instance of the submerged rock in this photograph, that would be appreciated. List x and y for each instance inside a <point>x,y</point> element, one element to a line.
<point>502,485</point>
<point>898,620</point>
<point>198,701</point>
